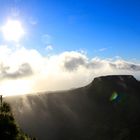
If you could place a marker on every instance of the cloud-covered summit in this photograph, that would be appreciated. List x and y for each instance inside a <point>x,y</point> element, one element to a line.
<point>73,60</point>
<point>124,65</point>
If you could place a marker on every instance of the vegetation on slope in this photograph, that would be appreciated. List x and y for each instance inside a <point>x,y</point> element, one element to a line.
<point>9,130</point>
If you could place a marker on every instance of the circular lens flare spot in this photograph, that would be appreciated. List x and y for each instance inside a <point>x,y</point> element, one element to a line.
<point>114,96</point>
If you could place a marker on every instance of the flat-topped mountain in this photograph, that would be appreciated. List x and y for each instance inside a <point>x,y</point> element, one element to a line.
<point>106,109</point>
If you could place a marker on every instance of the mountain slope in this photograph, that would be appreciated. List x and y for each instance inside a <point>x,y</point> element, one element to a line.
<point>106,109</point>
<point>8,127</point>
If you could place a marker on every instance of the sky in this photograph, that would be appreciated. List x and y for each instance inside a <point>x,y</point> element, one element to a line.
<point>44,43</point>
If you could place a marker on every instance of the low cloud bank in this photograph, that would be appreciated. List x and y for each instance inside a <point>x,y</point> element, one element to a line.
<point>26,70</point>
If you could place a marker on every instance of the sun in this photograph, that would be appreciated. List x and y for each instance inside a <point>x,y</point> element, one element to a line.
<point>13,30</point>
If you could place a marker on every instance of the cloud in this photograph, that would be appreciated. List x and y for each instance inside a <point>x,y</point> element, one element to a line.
<point>26,70</point>
<point>49,47</point>
<point>23,71</point>
<point>47,42</point>
<point>73,60</point>
<point>123,65</point>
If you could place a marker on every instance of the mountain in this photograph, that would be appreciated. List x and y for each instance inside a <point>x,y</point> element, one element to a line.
<point>106,109</point>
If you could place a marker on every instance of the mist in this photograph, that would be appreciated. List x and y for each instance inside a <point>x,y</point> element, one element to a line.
<point>25,70</point>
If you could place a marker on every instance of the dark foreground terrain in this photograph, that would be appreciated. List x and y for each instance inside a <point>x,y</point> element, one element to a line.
<point>106,109</point>
<point>9,129</point>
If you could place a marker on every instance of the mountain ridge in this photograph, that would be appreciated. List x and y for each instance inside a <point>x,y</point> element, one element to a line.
<point>106,109</point>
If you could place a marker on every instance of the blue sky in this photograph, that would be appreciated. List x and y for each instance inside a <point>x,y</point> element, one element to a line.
<point>104,28</point>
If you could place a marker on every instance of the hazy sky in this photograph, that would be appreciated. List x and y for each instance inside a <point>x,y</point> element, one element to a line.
<point>66,39</point>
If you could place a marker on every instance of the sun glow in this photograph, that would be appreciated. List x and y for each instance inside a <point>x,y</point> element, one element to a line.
<point>13,30</point>
<point>16,87</point>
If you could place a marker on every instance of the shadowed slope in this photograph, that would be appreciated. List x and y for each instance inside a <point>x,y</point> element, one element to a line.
<point>106,109</point>
<point>8,127</point>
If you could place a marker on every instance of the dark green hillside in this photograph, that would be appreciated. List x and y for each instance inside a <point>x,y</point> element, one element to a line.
<point>9,130</point>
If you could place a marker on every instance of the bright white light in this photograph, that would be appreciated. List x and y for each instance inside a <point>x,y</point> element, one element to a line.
<point>13,30</point>
<point>17,87</point>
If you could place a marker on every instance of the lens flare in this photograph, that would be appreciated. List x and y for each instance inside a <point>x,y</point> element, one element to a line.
<point>114,96</point>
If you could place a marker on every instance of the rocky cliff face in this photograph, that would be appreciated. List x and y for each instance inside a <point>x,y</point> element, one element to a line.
<point>106,109</point>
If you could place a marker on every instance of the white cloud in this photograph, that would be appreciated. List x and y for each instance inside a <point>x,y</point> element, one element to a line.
<point>49,47</point>
<point>26,70</point>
